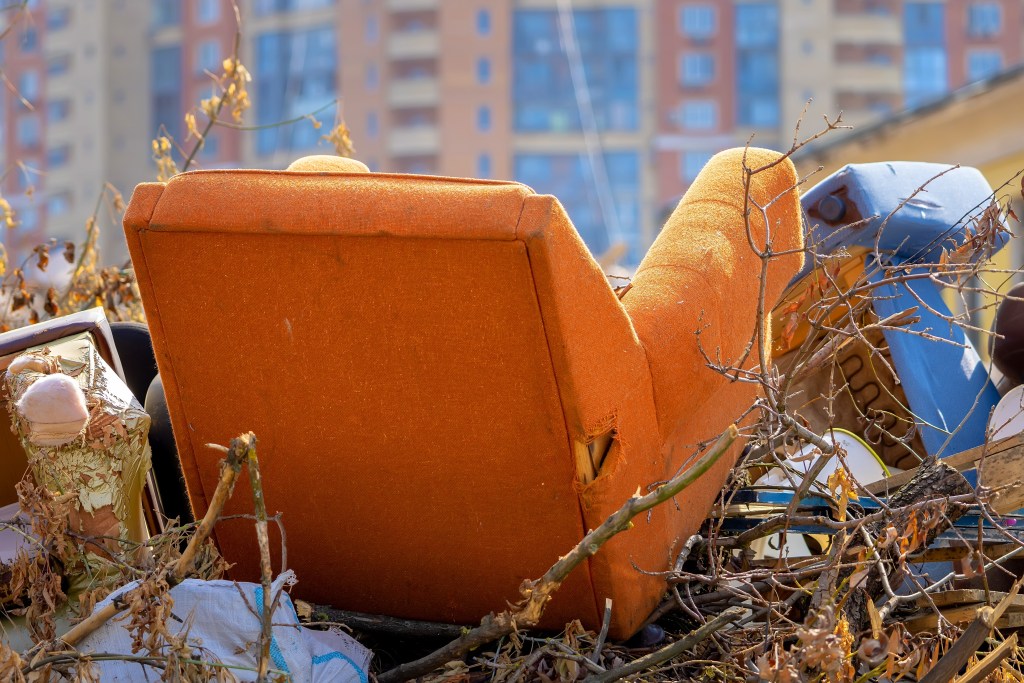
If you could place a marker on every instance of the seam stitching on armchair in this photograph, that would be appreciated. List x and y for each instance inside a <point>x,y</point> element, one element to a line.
<point>598,610</point>
<point>139,232</point>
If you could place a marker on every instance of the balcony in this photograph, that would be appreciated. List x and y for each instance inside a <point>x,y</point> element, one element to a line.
<point>863,28</point>
<point>407,93</point>
<point>412,5</point>
<point>868,77</point>
<point>417,44</point>
<point>413,141</point>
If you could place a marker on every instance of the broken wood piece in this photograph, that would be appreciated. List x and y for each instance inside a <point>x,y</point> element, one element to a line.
<point>590,456</point>
<point>959,616</point>
<point>991,661</point>
<point>971,639</point>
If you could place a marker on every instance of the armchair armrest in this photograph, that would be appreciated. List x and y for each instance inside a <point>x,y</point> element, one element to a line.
<point>699,285</point>
<point>600,366</point>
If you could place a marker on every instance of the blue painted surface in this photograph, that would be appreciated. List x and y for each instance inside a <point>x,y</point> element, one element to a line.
<point>929,221</point>
<point>946,384</point>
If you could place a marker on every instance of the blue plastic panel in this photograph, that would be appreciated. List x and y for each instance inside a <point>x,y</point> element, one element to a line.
<point>850,207</point>
<point>946,384</point>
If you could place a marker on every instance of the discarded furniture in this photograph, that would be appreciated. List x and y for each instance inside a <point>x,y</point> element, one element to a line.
<point>448,393</point>
<point>93,323</point>
<point>73,427</point>
<point>866,217</point>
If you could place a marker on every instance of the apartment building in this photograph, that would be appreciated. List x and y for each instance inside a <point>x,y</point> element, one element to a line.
<point>71,123</point>
<point>611,105</point>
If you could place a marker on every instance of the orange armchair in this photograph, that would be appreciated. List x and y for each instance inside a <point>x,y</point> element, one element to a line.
<point>447,392</point>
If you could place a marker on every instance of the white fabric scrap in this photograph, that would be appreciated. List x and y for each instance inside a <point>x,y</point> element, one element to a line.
<point>222,619</point>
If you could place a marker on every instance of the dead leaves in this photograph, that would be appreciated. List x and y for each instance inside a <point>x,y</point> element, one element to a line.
<point>843,488</point>
<point>981,239</point>
<point>340,138</point>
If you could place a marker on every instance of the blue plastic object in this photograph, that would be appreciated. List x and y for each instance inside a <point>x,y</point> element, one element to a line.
<point>947,386</point>
<point>852,207</point>
<point>874,206</point>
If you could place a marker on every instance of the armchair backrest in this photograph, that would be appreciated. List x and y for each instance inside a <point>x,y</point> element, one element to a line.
<point>384,338</point>
<point>447,392</point>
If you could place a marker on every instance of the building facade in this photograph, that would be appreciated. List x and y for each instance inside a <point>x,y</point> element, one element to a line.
<point>611,105</point>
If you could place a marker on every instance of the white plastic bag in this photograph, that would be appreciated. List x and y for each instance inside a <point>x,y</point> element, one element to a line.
<point>223,621</point>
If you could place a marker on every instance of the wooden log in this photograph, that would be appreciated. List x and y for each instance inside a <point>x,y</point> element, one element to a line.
<point>1002,463</point>
<point>932,480</point>
<point>378,623</point>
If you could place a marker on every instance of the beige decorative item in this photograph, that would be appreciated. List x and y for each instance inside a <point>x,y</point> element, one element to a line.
<point>54,409</point>
<point>83,433</point>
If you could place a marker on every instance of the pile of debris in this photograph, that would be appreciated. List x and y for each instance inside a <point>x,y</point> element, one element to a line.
<point>869,529</point>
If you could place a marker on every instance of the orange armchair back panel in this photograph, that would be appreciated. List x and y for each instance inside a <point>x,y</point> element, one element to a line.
<point>421,359</point>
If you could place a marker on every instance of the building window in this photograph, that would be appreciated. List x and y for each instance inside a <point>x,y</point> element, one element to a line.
<point>692,162</point>
<point>29,40</point>
<point>483,166</point>
<point>207,11</point>
<point>372,125</point>
<point>697,115</point>
<point>571,178</point>
<point>27,131</point>
<point>58,156</point>
<point>925,69</point>
<point>211,146</point>
<point>757,65</point>
<point>58,65</point>
<point>165,77</point>
<point>483,119</point>
<point>57,110</point>
<point>273,6</point>
<point>924,23</point>
<point>28,218</point>
<point>483,23</point>
<point>982,64</point>
<point>696,69</point>
<point>924,73</point>
<point>697,22</point>
<point>543,92</point>
<point>58,18</point>
<point>983,18</point>
<point>58,204</point>
<point>296,73</point>
<point>166,13</point>
<point>208,57</point>
<point>483,71</point>
<point>28,85</point>
<point>372,77</point>
<point>371,32</point>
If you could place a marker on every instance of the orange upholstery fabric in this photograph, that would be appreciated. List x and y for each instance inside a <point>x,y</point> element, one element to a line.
<point>418,357</point>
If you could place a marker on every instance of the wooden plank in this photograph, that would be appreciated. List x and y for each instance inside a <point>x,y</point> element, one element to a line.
<point>1003,464</point>
<point>990,663</point>
<point>961,615</point>
<point>960,550</point>
<point>971,596</point>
